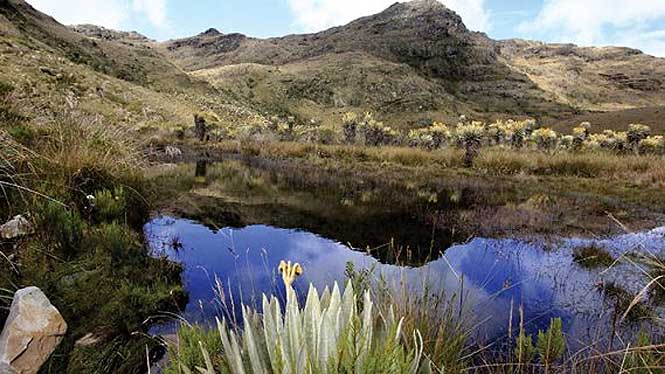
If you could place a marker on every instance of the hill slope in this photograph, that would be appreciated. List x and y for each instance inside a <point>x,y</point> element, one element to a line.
<point>427,43</point>
<point>424,53</point>
<point>597,79</point>
<point>412,63</point>
<point>121,77</point>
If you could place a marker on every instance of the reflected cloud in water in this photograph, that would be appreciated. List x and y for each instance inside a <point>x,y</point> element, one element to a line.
<point>497,274</point>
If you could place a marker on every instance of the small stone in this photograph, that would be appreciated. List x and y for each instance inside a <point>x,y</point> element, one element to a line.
<point>33,330</point>
<point>17,227</point>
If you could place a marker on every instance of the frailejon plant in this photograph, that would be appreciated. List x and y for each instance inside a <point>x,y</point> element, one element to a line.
<point>470,137</point>
<point>652,145</point>
<point>329,335</point>
<point>350,127</point>
<point>545,139</point>
<point>637,133</point>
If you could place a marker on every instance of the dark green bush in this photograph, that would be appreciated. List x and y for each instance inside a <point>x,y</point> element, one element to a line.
<point>60,229</point>
<point>109,206</point>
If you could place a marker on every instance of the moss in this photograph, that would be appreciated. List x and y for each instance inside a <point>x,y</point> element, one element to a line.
<point>592,257</point>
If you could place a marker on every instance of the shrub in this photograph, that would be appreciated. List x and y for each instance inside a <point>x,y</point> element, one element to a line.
<point>109,206</point>
<point>551,344</point>
<point>524,349</point>
<point>23,134</point>
<point>115,245</point>
<point>593,257</point>
<point>330,334</point>
<point>544,138</point>
<point>60,229</point>
<point>637,133</point>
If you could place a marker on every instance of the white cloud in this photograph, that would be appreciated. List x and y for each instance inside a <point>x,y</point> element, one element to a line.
<point>155,10</point>
<point>108,13</point>
<point>317,15</point>
<point>602,22</point>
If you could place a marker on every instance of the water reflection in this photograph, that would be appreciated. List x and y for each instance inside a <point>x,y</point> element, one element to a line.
<point>496,275</point>
<point>201,171</point>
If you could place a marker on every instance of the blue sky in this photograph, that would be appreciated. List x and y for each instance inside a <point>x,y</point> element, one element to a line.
<point>634,23</point>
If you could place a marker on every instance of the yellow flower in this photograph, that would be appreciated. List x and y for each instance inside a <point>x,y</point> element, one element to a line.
<point>289,272</point>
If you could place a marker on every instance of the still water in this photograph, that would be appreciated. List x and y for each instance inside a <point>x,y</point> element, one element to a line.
<point>226,266</point>
<point>236,220</point>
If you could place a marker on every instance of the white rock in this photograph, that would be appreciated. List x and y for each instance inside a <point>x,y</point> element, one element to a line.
<point>17,227</point>
<point>32,332</point>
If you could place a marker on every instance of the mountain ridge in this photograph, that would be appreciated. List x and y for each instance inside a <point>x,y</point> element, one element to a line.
<point>412,63</point>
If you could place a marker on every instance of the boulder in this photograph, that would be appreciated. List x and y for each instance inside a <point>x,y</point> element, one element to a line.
<point>33,330</point>
<point>17,227</point>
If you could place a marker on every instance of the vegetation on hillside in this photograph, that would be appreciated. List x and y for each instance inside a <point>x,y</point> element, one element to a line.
<point>80,116</point>
<point>79,182</point>
<point>367,131</point>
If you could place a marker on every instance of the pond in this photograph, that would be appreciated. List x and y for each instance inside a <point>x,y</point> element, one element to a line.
<point>230,253</point>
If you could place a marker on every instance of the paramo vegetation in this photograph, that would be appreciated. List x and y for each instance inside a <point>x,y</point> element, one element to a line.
<point>365,129</point>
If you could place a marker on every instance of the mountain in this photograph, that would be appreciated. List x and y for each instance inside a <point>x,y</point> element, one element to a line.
<point>121,76</point>
<point>414,58</point>
<point>412,63</point>
<point>418,60</point>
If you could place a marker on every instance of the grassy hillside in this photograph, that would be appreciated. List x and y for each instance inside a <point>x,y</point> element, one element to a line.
<point>615,120</point>
<point>593,79</point>
<point>407,45</point>
<point>423,50</point>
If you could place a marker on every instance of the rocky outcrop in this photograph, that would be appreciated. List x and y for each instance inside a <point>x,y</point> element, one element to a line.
<point>32,332</point>
<point>102,33</point>
<point>17,227</point>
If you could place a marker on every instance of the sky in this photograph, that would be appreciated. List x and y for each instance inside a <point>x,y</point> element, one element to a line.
<point>633,23</point>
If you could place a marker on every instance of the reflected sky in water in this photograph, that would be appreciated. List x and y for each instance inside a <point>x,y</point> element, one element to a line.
<point>496,273</point>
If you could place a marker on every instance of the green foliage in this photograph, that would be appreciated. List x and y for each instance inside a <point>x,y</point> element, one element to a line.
<point>61,230</point>
<point>117,247</point>
<point>361,280</point>
<point>110,206</point>
<point>120,355</point>
<point>623,301</point>
<point>551,344</point>
<point>5,89</point>
<point>329,335</point>
<point>643,358</point>
<point>23,134</point>
<point>524,349</point>
<point>187,352</point>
